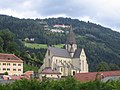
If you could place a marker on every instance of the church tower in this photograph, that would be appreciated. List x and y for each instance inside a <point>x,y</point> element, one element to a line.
<point>71,45</point>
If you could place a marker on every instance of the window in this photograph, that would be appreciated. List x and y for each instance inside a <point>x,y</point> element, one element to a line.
<point>0,63</point>
<point>19,64</point>
<point>4,63</point>
<point>8,64</point>
<point>73,72</point>
<point>19,69</point>
<point>61,69</point>
<point>14,64</point>
<point>14,69</point>
<point>4,69</point>
<point>49,62</point>
<point>8,69</point>
<point>48,52</point>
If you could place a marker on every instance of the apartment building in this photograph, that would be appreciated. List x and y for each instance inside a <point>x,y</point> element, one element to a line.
<point>11,64</point>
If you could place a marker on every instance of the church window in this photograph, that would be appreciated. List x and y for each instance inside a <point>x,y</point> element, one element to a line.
<point>73,72</point>
<point>56,60</point>
<point>49,62</point>
<point>48,52</point>
<point>61,69</point>
<point>83,65</point>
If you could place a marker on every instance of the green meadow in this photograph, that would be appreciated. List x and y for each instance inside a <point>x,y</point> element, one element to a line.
<point>38,46</point>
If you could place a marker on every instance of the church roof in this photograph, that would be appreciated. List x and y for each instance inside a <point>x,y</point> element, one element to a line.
<point>70,37</point>
<point>77,53</point>
<point>59,52</point>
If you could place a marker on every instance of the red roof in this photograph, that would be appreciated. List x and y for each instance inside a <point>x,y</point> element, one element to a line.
<point>48,70</point>
<point>15,77</point>
<point>90,76</point>
<point>9,58</point>
<point>28,73</point>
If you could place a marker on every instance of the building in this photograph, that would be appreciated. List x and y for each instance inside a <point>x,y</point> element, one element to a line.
<point>11,64</point>
<point>66,61</point>
<point>103,76</point>
<point>57,30</point>
<point>61,26</point>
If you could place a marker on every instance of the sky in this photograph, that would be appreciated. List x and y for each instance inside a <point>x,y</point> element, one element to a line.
<point>104,12</point>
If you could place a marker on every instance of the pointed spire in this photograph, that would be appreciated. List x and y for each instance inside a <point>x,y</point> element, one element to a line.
<point>70,37</point>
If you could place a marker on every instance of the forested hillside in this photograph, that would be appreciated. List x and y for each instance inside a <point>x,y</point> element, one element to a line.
<point>100,43</point>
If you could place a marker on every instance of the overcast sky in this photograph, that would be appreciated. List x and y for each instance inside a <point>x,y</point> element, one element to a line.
<point>104,12</point>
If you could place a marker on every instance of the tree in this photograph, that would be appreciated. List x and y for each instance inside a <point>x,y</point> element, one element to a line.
<point>7,37</point>
<point>114,66</point>
<point>103,66</point>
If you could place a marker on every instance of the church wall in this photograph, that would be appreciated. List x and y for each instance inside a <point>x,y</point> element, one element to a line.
<point>47,59</point>
<point>57,60</point>
<point>84,65</point>
<point>76,62</point>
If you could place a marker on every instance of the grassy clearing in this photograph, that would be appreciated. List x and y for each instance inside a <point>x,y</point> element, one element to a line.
<point>38,46</point>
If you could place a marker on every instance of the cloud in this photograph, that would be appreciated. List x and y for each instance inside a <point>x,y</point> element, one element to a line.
<point>105,12</point>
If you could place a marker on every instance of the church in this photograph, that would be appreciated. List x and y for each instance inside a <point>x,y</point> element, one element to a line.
<point>64,62</point>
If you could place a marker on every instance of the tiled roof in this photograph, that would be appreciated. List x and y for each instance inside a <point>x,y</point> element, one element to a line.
<point>28,73</point>
<point>48,70</point>
<point>90,76</point>
<point>9,58</point>
<point>59,52</point>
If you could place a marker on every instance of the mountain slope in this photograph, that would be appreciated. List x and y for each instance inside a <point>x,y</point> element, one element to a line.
<point>100,43</point>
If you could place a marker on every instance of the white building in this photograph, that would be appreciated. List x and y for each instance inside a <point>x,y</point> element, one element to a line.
<point>57,30</point>
<point>66,61</point>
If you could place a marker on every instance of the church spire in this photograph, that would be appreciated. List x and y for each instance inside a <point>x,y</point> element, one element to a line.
<point>70,37</point>
<point>71,45</point>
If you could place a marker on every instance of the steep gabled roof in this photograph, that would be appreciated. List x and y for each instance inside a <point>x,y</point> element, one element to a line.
<point>77,53</point>
<point>59,52</point>
<point>70,37</point>
<point>9,58</point>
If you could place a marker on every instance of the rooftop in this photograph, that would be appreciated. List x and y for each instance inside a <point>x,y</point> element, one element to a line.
<point>9,58</point>
<point>90,76</point>
<point>59,52</point>
<point>48,70</point>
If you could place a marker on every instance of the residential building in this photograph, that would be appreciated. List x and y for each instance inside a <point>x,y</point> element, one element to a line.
<point>66,61</point>
<point>11,64</point>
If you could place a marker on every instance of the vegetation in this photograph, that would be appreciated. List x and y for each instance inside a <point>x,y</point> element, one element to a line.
<point>100,43</point>
<point>63,84</point>
<point>39,46</point>
<point>30,68</point>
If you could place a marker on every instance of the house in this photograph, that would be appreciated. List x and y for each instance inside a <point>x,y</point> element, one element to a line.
<point>57,30</point>
<point>11,64</point>
<point>103,76</point>
<point>66,61</point>
<point>49,73</point>
<point>61,26</point>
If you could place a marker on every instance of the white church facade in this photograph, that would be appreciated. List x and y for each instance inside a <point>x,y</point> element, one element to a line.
<point>64,62</point>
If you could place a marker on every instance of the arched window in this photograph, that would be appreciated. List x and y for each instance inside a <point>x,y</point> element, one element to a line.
<point>73,72</point>
<point>49,62</point>
<point>48,52</point>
